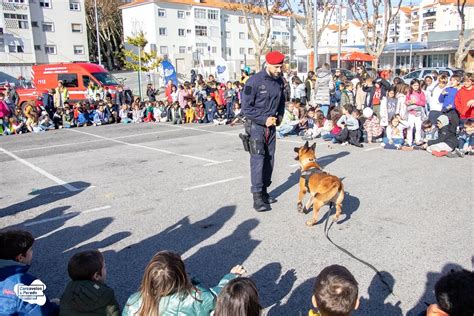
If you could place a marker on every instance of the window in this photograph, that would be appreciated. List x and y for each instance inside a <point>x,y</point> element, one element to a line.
<point>78,50</point>
<point>48,27</point>
<point>226,18</point>
<point>161,13</point>
<point>182,49</point>
<point>37,47</point>
<point>74,6</point>
<point>200,13</point>
<point>250,51</point>
<point>214,49</point>
<point>153,48</point>
<point>34,24</point>
<point>12,48</point>
<point>21,19</point>
<point>16,1</point>
<point>180,14</point>
<point>69,80</point>
<point>76,28</point>
<point>278,22</point>
<point>227,34</point>
<point>188,13</point>
<point>19,49</point>
<point>212,14</point>
<point>201,47</point>
<point>181,32</point>
<point>201,30</point>
<point>241,20</point>
<point>45,3</point>
<point>2,45</point>
<point>188,31</point>
<point>162,31</point>
<point>228,51</point>
<point>286,36</point>
<point>50,49</point>
<point>413,75</point>
<point>86,80</point>
<point>241,35</point>
<point>163,50</point>
<point>214,30</point>
<point>242,51</point>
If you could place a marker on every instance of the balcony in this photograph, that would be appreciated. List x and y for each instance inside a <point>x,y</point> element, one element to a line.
<point>429,15</point>
<point>8,6</point>
<point>427,28</point>
<point>415,17</point>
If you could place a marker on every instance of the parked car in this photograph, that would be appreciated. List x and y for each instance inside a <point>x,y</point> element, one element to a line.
<point>347,73</point>
<point>421,73</point>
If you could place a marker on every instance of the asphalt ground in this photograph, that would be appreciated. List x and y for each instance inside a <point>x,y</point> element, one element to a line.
<point>133,190</point>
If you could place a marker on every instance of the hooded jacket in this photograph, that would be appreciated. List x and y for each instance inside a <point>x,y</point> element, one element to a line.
<point>323,86</point>
<point>11,274</point>
<point>445,135</point>
<point>88,298</point>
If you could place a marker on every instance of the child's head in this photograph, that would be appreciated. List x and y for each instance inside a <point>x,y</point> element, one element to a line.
<point>342,86</point>
<point>173,88</point>
<point>236,105</point>
<point>355,113</point>
<point>428,80</point>
<point>427,126</point>
<point>209,97</point>
<point>238,298</point>
<point>335,291</point>
<point>395,121</point>
<point>347,109</point>
<point>442,121</point>
<point>467,80</point>
<point>454,294</point>
<point>455,80</point>
<point>17,245</point>
<point>391,92</point>
<point>402,88</point>
<point>87,265</point>
<point>229,84</point>
<point>368,113</point>
<point>2,96</point>
<point>469,126</point>
<point>295,102</point>
<point>311,112</point>
<point>349,86</point>
<point>442,81</point>
<point>124,107</point>
<point>164,275</point>
<point>415,85</point>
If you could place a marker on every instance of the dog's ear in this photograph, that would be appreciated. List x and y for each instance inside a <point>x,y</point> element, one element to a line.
<point>306,145</point>
<point>296,149</point>
<point>313,147</point>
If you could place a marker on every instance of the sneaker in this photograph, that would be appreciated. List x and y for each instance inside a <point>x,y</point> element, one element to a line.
<point>458,152</point>
<point>344,144</point>
<point>452,154</point>
<point>307,138</point>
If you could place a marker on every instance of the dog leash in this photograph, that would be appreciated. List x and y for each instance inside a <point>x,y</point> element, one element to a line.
<point>326,231</point>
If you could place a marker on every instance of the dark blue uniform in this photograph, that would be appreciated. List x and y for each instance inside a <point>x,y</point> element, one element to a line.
<point>262,97</point>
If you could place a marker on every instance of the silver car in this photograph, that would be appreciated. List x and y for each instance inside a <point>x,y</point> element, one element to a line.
<point>421,73</point>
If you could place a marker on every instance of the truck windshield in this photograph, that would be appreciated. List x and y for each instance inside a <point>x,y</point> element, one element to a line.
<point>105,78</point>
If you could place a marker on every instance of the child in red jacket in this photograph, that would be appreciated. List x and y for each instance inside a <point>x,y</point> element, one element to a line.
<point>464,100</point>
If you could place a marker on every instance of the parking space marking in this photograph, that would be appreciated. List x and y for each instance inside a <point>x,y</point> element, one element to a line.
<point>67,215</point>
<point>212,183</point>
<point>41,171</point>
<point>373,148</point>
<point>147,147</point>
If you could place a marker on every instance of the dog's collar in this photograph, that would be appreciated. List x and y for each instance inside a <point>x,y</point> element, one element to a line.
<point>311,170</point>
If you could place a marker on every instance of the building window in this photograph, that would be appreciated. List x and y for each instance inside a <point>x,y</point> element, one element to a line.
<point>48,27</point>
<point>214,49</point>
<point>45,3</point>
<point>21,19</point>
<point>16,1</point>
<point>212,14</point>
<point>162,31</point>
<point>74,6</point>
<point>50,49</point>
<point>78,50</point>
<point>37,47</point>
<point>227,34</point>
<point>182,49</point>
<point>200,13</point>
<point>286,36</point>
<point>241,19</point>
<point>76,28</point>
<point>242,51</point>
<point>153,48</point>
<point>163,50</point>
<point>241,35</point>
<point>12,48</point>
<point>228,51</point>
<point>201,47</point>
<point>2,45</point>
<point>201,30</point>
<point>188,31</point>
<point>214,30</point>
<point>181,32</point>
<point>161,13</point>
<point>180,14</point>
<point>226,18</point>
<point>251,51</point>
<point>34,24</point>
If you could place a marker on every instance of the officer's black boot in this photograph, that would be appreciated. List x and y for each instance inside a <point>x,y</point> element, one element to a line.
<point>267,198</point>
<point>259,203</point>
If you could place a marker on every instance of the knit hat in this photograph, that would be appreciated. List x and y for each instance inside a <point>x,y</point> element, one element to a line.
<point>367,112</point>
<point>275,58</point>
<point>444,120</point>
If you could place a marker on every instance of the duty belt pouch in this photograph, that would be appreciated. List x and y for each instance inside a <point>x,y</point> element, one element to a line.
<point>245,141</point>
<point>257,146</point>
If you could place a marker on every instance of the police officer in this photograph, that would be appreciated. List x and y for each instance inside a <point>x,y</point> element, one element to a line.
<point>263,104</point>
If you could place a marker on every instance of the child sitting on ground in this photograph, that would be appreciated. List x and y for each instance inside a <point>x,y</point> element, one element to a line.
<point>302,126</point>
<point>148,112</point>
<point>238,298</point>
<point>211,106</point>
<point>45,122</point>
<point>100,117</point>
<point>176,114</point>
<point>160,113</point>
<point>68,117</point>
<point>335,292</point>
<point>430,132</point>
<point>176,294</point>
<point>466,138</point>
<point>394,134</point>
<point>16,255</point>
<point>87,293</point>
<point>124,114</point>
<point>137,113</point>
<point>446,142</point>
<point>220,116</point>
<point>15,126</point>
<point>455,295</point>
<point>335,129</point>
<point>239,118</point>
<point>372,127</point>
<point>350,127</point>
<point>200,113</point>
<point>189,112</point>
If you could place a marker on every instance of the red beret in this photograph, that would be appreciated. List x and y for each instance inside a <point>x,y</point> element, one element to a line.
<point>275,58</point>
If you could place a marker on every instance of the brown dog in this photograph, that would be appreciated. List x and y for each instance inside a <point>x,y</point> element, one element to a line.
<point>323,187</point>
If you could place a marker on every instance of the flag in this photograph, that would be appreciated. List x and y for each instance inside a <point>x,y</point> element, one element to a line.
<point>169,72</point>
<point>222,70</point>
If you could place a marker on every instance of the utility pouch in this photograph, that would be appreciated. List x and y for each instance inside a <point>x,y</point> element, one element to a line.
<point>257,146</point>
<point>245,141</point>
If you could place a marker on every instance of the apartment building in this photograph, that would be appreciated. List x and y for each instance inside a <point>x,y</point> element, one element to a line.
<point>41,31</point>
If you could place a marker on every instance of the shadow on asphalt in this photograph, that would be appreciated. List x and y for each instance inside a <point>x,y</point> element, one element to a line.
<point>428,297</point>
<point>299,302</point>
<point>43,197</point>
<point>294,177</point>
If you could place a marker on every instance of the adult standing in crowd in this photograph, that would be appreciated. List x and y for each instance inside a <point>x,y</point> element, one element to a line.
<point>11,97</point>
<point>263,104</point>
<point>61,95</point>
<point>322,88</point>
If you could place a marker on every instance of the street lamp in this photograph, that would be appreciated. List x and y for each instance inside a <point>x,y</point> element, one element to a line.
<point>315,19</point>
<point>97,32</point>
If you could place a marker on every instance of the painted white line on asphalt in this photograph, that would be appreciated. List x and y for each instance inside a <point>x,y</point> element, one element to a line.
<point>145,134</point>
<point>373,148</point>
<point>67,215</point>
<point>56,146</point>
<point>145,147</point>
<point>41,171</point>
<point>212,183</point>
<point>79,189</point>
<point>217,163</point>
<point>203,130</point>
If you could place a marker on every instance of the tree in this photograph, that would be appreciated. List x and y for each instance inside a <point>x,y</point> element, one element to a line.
<point>110,31</point>
<point>375,33</point>
<point>305,23</point>
<point>149,61</point>
<point>465,44</point>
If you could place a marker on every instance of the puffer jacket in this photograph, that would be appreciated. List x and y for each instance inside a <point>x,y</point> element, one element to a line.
<point>88,298</point>
<point>201,303</point>
<point>11,274</point>
<point>323,86</point>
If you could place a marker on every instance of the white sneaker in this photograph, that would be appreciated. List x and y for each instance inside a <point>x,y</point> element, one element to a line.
<point>345,144</point>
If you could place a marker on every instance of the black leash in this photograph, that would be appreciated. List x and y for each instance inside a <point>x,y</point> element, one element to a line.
<point>326,231</point>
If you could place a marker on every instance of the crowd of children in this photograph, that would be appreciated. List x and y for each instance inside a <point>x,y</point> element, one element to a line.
<point>166,289</point>
<point>433,114</point>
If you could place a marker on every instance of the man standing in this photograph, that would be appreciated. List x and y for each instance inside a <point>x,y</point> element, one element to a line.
<point>263,104</point>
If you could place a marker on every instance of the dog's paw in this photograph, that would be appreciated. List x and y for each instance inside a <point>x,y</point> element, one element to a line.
<point>310,223</point>
<point>300,208</point>
<point>335,219</point>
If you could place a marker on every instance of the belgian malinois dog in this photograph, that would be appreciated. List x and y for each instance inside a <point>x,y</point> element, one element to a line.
<point>323,187</point>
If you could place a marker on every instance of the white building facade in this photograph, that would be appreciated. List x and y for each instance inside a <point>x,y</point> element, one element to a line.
<point>41,31</point>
